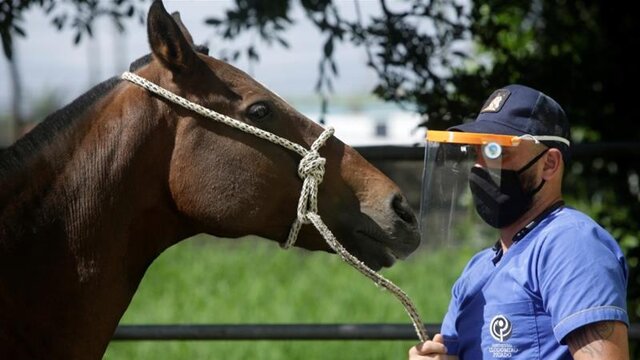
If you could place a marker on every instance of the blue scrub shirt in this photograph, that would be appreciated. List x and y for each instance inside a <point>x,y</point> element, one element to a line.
<point>565,271</point>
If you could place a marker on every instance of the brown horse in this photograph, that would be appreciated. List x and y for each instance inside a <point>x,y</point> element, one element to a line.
<point>95,193</point>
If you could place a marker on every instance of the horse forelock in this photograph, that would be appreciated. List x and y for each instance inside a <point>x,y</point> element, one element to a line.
<point>140,62</point>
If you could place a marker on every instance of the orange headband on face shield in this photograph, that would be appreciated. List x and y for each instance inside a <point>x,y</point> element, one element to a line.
<point>491,143</point>
<point>458,137</point>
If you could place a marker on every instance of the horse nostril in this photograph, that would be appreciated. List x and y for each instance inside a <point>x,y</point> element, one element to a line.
<point>401,207</point>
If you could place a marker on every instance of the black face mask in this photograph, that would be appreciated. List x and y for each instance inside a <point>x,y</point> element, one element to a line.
<point>501,205</point>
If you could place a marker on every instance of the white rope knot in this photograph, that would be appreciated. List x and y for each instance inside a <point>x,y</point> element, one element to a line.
<point>312,165</point>
<point>311,171</point>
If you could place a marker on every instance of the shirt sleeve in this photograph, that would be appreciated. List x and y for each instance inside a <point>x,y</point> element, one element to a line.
<point>448,330</point>
<point>582,276</point>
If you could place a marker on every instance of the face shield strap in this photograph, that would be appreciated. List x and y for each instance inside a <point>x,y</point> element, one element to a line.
<point>538,138</point>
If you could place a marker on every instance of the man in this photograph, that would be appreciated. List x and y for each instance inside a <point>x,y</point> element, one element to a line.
<point>554,285</point>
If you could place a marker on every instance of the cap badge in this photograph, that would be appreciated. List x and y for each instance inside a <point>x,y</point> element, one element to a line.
<point>496,101</point>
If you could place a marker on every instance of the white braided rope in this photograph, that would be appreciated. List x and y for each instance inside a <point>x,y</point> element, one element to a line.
<point>214,115</point>
<point>371,274</point>
<point>311,171</point>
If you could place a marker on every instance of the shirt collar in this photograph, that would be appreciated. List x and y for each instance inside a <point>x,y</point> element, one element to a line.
<point>497,247</point>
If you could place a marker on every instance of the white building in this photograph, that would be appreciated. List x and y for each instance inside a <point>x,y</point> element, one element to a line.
<point>375,124</point>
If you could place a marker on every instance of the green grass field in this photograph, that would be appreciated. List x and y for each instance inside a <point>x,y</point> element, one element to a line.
<point>207,280</point>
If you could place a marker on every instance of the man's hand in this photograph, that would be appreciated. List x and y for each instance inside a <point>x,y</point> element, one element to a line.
<point>430,350</point>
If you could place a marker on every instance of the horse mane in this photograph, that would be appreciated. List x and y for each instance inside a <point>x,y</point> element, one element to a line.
<point>59,120</point>
<point>53,124</point>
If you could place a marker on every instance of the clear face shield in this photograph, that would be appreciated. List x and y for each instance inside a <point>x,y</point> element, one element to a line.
<point>447,212</point>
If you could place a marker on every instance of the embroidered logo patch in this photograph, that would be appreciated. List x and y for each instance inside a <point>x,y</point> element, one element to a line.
<point>495,102</point>
<point>500,328</point>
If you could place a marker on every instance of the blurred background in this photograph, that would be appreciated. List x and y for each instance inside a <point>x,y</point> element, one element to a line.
<point>379,71</point>
<point>50,69</point>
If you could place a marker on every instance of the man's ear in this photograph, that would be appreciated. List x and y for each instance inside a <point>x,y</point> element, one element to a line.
<point>552,164</point>
<point>168,43</point>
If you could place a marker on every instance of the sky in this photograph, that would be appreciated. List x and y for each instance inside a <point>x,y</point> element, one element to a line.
<point>49,62</point>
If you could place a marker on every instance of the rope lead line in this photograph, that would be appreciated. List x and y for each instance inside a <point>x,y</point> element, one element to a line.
<point>311,171</point>
<point>371,274</point>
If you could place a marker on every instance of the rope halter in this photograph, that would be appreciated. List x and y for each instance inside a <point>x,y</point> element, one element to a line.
<point>311,171</point>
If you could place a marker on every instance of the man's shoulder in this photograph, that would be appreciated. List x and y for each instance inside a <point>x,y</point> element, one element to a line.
<point>566,218</point>
<point>571,230</point>
<point>481,258</point>
<point>487,253</point>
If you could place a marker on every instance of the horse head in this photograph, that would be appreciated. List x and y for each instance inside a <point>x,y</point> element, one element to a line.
<point>229,183</point>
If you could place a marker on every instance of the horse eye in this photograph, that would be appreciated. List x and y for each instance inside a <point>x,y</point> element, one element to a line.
<point>258,111</point>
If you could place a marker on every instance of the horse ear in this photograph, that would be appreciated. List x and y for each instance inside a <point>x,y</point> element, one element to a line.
<point>168,43</point>
<point>183,29</point>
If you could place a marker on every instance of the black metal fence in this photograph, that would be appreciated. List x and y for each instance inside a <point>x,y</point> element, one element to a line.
<point>271,332</point>
<point>284,332</point>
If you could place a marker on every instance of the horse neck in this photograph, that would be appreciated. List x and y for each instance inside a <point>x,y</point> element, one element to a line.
<point>82,217</point>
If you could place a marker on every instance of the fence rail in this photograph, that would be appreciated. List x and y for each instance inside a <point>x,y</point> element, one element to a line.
<point>283,332</point>
<point>271,332</point>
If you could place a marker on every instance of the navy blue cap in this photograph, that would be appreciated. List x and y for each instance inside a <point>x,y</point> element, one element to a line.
<point>520,110</point>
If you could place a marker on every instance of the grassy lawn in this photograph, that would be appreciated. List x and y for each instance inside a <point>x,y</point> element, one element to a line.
<point>207,280</point>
